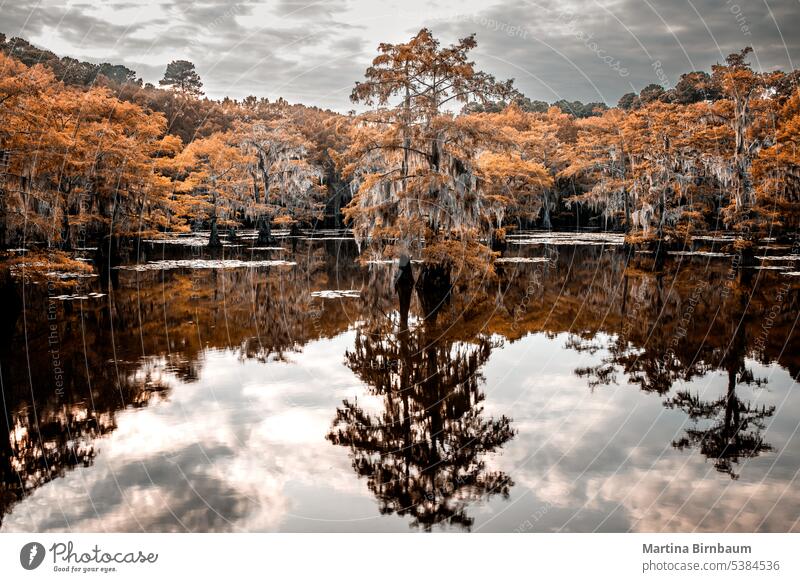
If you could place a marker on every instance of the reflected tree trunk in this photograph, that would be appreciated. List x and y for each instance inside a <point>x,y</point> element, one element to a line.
<point>433,289</point>
<point>404,285</point>
<point>623,309</point>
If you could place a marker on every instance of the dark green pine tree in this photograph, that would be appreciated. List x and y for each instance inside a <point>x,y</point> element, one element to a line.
<point>182,77</point>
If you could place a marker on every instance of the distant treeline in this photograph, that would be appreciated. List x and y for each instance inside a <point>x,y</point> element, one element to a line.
<point>88,150</point>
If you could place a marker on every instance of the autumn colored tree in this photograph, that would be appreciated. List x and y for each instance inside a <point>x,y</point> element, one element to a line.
<point>328,137</point>
<point>413,164</point>
<point>87,152</point>
<point>666,166</point>
<point>748,110</point>
<point>776,171</point>
<point>23,120</point>
<point>520,167</point>
<point>186,118</point>
<point>513,184</point>
<point>216,186</point>
<point>77,161</point>
<point>286,186</point>
<point>600,158</point>
<point>110,163</point>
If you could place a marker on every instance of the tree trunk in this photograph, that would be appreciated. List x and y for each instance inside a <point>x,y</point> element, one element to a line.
<point>213,239</point>
<point>546,219</point>
<point>256,196</point>
<point>338,219</point>
<point>3,219</point>
<point>404,285</point>
<point>743,189</point>
<point>66,243</point>
<point>748,257</point>
<point>265,230</point>
<point>108,256</point>
<point>264,220</point>
<point>627,204</point>
<point>624,308</point>
<point>660,254</point>
<point>496,242</point>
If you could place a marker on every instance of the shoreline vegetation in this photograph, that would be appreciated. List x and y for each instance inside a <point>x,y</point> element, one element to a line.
<point>442,166</point>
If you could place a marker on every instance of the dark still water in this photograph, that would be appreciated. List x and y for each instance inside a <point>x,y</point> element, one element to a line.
<point>283,389</point>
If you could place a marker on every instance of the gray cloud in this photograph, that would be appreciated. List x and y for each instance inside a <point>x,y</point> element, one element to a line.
<point>313,51</point>
<point>558,51</point>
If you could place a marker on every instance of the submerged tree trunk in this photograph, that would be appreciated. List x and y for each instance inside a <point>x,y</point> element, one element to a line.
<point>498,242</point>
<point>12,309</point>
<point>627,205</point>
<point>213,239</point>
<point>108,256</point>
<point>3,219</point>
<point>404,285</point>
<point>747,257</point>
<point>66,243</point>
<point>264,225</point>
<point>624,308</point>
<point>660,255</point>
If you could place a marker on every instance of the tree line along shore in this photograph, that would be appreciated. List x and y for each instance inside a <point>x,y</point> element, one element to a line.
<point>443,162</point>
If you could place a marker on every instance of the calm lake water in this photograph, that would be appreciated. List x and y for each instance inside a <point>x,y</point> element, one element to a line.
<point>283,389</point>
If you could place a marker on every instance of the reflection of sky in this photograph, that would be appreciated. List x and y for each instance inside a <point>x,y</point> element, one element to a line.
<point>244,449</point>
<point>604,460</point>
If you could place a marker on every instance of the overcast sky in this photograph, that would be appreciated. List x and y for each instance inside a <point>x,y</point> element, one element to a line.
<point>313,52</point>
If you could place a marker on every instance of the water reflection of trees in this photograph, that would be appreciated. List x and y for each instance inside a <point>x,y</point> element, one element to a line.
<point>423,454</point>
<point>119,351</point>
<point>52,414</point>
<point>734,432</point>
<point>659,332</point>
<point>731,429</point>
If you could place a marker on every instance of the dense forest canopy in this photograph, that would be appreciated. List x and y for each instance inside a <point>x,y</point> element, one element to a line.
<point>443,164</point>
